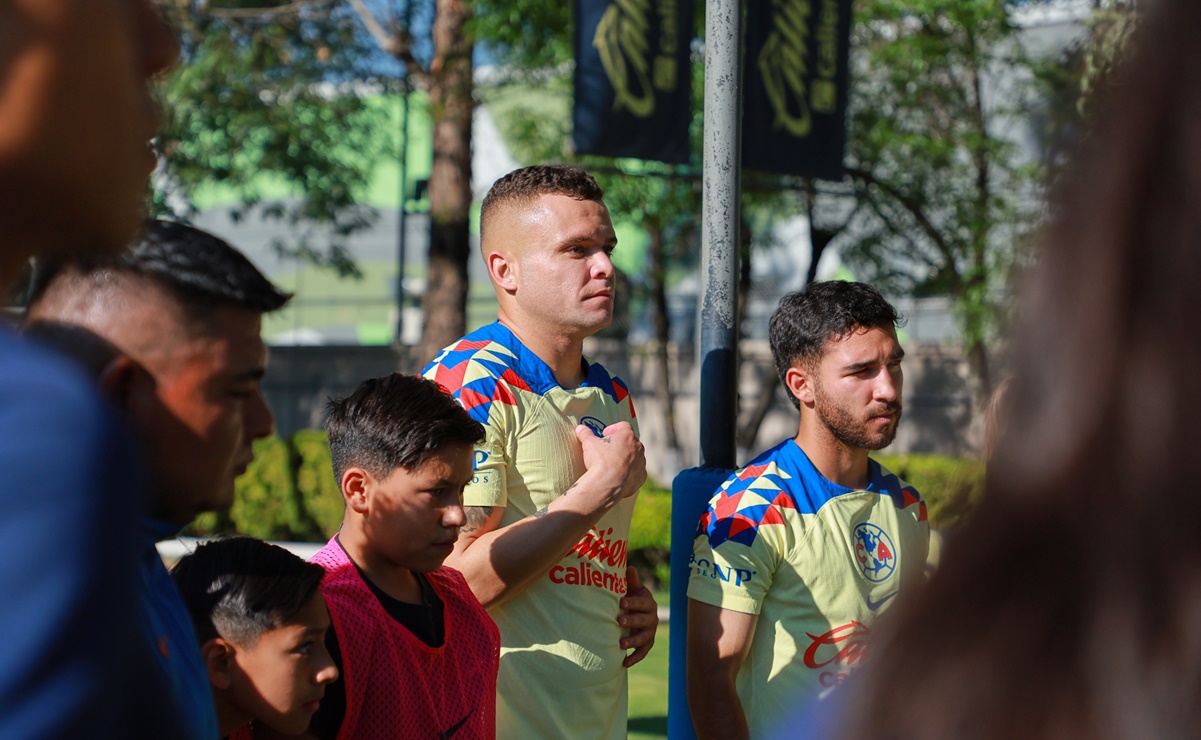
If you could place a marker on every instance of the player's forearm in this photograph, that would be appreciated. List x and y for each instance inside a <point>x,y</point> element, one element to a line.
<point>715,707</point>
<point>501,563</point>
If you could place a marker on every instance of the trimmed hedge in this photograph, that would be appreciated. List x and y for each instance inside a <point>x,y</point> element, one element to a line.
<point>951,486</point>
<point>289,493</point>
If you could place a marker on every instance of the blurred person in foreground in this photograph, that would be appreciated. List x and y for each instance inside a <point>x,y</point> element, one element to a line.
<point>800,552</point>
<point>183,311</point>
<point>1069,605</point>
<point>75,120</point>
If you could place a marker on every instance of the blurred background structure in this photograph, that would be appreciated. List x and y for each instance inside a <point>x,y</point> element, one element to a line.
<point>345,145</point>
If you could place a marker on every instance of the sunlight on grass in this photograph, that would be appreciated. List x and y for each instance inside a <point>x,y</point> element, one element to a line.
<point>648,692</point>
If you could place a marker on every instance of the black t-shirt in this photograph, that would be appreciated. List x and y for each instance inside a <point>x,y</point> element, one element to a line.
<point>424,620</point>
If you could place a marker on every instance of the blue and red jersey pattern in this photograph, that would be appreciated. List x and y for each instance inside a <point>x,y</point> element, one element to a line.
<point>491,366</point>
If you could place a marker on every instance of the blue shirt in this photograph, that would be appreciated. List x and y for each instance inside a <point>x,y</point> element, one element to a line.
<point>167,628</point>
<point>70,491</point>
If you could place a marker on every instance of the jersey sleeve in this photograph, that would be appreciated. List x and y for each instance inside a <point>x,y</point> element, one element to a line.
<point>734,556</point>
<point>487,486</point>
<point>490,457</point>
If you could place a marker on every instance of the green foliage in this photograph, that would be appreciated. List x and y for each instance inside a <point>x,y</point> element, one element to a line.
<point>265,503</point>
<point>950,486</point>
<point>525,34</point>
<point>1076,80</point>
<point>944,199</point>
<point>651,525</point>
<point>275,95</point>
<point>285,494</point>
<point>650,536</point>
<point>319,492</point>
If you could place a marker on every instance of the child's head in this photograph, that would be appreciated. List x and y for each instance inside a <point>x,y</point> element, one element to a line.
<point>402,451</point>
<point>261,622</point>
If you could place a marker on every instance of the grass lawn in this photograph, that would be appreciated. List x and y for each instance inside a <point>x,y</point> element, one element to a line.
<point>648,692</point>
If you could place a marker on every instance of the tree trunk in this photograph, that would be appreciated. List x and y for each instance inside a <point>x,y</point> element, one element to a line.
<point>658,274</point>
<point>980,383</point>
<point>444,303</point>
<point>819,239</point>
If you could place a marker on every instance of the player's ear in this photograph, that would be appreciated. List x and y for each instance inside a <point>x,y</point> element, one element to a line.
<point>218,657</point>
<point>123,379</point>
<point>502,269</point>
<point>357,485</point>
<point>800,384</point>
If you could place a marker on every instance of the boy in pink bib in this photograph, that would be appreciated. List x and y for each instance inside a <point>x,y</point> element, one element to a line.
<point>418,654</point>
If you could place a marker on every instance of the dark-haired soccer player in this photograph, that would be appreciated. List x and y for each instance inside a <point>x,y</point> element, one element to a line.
<point>184,311</point>
<point>801,549</point>
<point>261,623</point>
<point>417,652</point>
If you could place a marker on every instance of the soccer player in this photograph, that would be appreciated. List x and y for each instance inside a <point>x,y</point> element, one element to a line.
<point>800,550</point>
<point>548,509</point>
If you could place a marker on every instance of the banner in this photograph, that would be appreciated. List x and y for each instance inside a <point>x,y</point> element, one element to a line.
<point>795,87</point>
<point>633,79</point>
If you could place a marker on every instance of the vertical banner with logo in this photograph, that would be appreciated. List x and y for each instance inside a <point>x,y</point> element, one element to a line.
<point>795,89</point>
<point>633,79</point>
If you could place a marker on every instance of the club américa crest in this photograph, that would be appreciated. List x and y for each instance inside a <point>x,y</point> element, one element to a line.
<point>874,552</point>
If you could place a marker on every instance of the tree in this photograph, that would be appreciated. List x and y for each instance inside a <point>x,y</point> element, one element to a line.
<point>447,78</point>
<point>1075,81</point>
<point>945,198</point>
<point>277,87</point>
<point>272,92</point>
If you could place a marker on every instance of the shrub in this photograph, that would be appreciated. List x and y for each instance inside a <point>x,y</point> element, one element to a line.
<point>951,486</point>
<point>265,504</point>
<point>650,535</point>
<point>319,492</point>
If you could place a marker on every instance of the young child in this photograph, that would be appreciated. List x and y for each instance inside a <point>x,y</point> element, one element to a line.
<point>417,652</point>
<point>261,622</point>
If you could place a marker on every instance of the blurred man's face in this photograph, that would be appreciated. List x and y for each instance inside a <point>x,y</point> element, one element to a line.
<point>207,408</point>
<point>75,119</point>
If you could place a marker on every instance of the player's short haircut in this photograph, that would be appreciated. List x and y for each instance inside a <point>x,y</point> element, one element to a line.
<point>238,588</point>
<point>199,270</point>
<point>806,320</point>
<point>396,421</point>
<point>524,185</point>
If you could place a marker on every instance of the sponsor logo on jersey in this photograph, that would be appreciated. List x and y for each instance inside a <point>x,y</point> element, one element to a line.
<point>585,575</point>
<point>729,574</point>
<point>874,552</point>
<point>479,459</point>
<point>836,653</point>
<point>875,605</point>
<point>596,425</point>
<point>601,547</point>
<point>601,562</point>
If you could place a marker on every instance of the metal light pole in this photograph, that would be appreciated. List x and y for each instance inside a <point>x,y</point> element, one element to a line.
<point>720,232</point>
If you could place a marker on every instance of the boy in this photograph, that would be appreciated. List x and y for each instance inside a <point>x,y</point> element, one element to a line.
<point>261,622</point>
<point>417,652</point>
